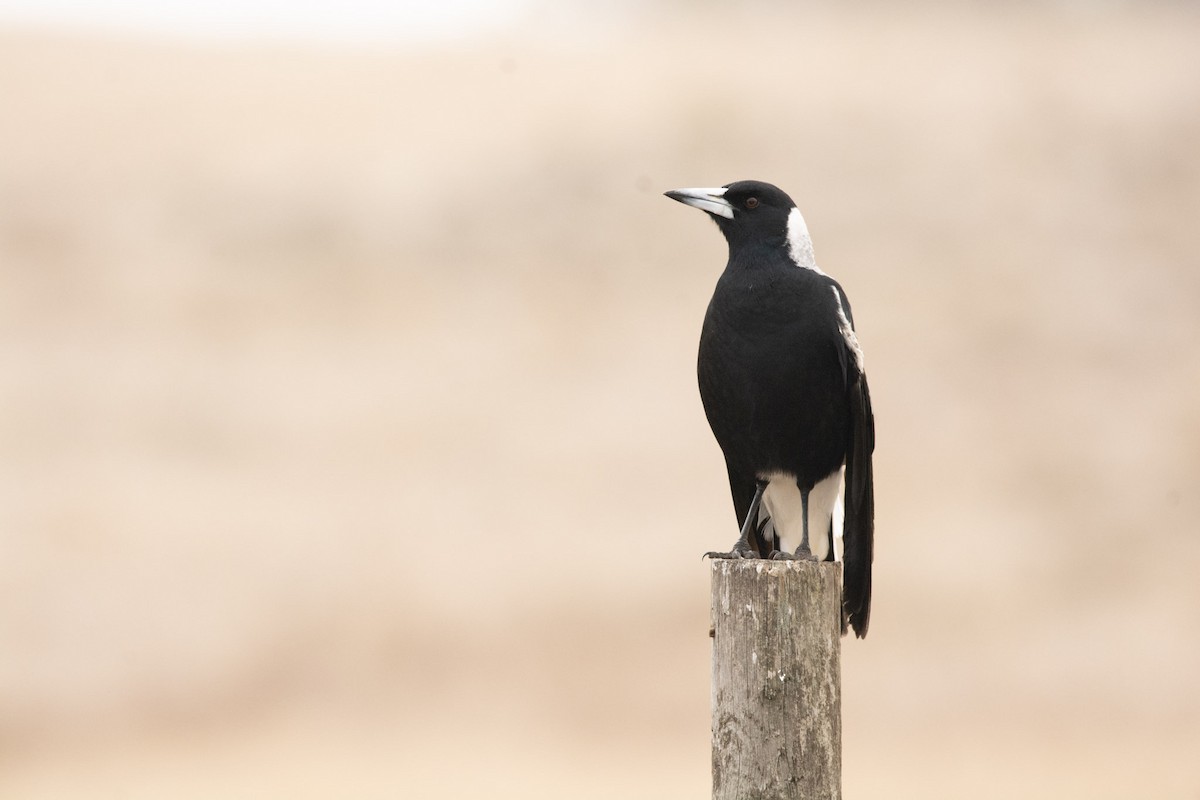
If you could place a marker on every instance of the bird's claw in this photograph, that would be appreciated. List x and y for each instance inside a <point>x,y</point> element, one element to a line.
<point>801,554</point>
<point>734,553</point>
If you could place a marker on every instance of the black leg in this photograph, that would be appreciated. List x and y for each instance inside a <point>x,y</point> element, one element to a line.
<point>742,548</point>
<point>803,552</point>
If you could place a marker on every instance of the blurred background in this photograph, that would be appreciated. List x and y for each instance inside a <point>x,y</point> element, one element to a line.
<point>350,443</point>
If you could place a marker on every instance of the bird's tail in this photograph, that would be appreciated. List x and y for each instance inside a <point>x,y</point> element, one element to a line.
<point>858,537</point>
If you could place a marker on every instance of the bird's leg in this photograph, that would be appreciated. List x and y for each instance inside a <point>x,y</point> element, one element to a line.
<point>803,552</point>
<point>742,548</point>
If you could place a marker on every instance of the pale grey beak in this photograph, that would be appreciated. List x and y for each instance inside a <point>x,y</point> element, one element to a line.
<point>711,200</point>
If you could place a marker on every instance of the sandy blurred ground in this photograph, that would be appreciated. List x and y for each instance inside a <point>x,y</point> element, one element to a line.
<point>350,445</point>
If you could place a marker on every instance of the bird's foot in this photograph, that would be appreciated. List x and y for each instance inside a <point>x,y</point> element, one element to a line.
<point>802,553</point>
<point>740,550</point>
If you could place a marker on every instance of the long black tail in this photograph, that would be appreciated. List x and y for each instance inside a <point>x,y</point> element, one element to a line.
<point>858,535</point>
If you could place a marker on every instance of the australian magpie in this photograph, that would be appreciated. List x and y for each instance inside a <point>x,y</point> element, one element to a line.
<point>782,382</point>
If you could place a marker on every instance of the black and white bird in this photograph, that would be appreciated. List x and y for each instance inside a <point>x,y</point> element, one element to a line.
<point>782,381</point>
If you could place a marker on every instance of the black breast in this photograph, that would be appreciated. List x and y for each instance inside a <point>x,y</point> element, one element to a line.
<point>770,375</point>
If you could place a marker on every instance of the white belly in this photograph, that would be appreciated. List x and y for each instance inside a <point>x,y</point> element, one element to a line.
<point>782,501</point>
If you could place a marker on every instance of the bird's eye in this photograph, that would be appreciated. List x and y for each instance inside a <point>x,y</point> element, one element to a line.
<point>751,202</point>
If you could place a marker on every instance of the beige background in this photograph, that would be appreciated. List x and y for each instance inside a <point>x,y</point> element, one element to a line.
<point>350,445</point>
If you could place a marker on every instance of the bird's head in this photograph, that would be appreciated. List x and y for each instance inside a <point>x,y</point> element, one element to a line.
<point>753,211</point>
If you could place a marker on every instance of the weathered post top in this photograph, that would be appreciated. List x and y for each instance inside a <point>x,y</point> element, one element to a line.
<point>776,680</point>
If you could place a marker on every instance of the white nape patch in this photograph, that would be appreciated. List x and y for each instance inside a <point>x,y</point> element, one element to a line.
<point>711,200</point>
<point>800,246</point>
<point>847,331</point>
<point>783,503</point>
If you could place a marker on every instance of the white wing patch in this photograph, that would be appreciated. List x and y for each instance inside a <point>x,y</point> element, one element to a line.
<point>800,246</point>
<point>847,331</point>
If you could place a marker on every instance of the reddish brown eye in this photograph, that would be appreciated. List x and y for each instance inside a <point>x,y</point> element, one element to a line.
<point>751,202</point>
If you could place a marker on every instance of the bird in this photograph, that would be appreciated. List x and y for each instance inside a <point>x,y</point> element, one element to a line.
<point>784,389</point>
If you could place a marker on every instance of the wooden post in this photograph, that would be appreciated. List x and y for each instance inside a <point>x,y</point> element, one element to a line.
<point>776,680</point>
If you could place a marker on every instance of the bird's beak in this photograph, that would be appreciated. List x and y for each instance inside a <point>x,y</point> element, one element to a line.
<point>711,200</point>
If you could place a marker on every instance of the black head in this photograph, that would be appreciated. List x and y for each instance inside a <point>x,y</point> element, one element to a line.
<point>743,210</point>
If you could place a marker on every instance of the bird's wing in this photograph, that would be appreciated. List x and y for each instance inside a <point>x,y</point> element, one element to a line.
<point>858,535</point>
<point>858,528</point>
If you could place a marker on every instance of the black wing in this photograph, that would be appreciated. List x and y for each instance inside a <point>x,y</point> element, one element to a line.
<point>858,536</point>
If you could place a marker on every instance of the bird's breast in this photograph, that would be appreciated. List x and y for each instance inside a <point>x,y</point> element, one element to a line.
<point>770,378</point>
